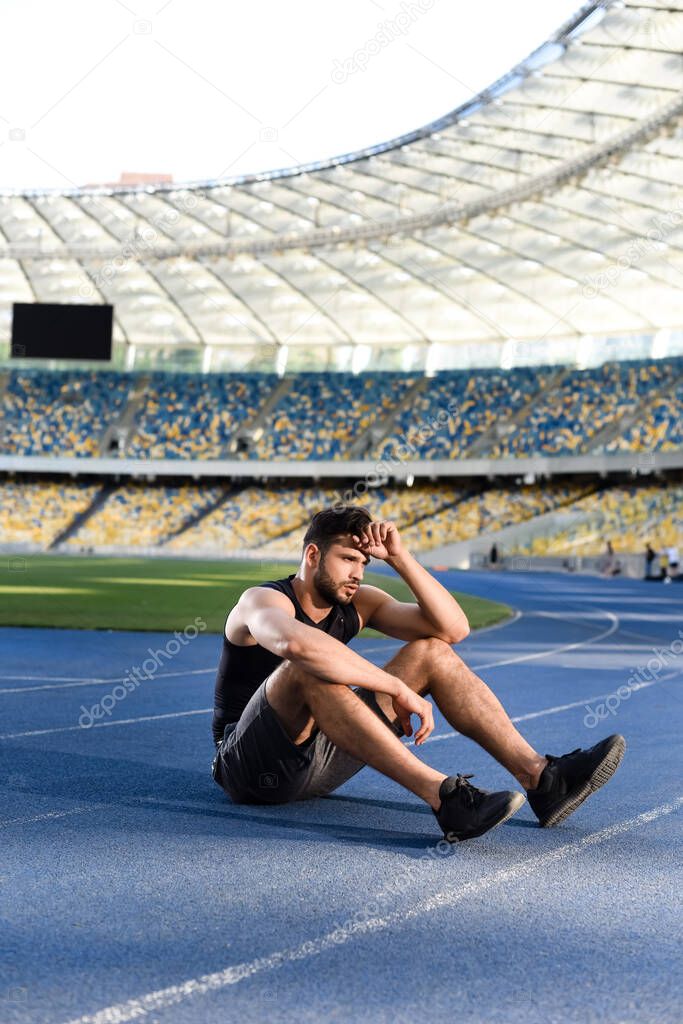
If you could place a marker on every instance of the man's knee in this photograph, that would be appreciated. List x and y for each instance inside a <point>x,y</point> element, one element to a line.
<point>430,657</point>
<point>441,651</point>
<point>429,647</point>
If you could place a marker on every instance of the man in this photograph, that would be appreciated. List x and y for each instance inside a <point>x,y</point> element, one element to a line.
<point>288,726</point>
<point>672,563</point>
<point>611,565</point>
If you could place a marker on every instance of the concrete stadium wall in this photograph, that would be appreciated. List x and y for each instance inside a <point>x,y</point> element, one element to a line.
<point>367,471</point>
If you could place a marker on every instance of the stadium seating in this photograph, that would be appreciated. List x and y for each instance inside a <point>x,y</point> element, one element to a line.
<point>63,413</point>
<point>270,519</point>
<point>251,516</point>
<point>487,511</point>
<point>457,408</point>
<point>323,413</point>
<point>36,513</point>
<point>568,418</point>
<point>142,515</point>
<point>483,413</point>
<point>189,416</point>
<point>628,516</point>
<point>658,428</point>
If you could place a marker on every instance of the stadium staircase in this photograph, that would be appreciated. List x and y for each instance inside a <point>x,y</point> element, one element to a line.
<point>598,443</point>
<point>118,434</point>
<point>83,517</point>
<point>490,437</point>
<point>471,492</point>
<point>243,439</point>
<point>295,532</point>
<point>623,423</point>
<point>228,493</point>
<point>379,431</point>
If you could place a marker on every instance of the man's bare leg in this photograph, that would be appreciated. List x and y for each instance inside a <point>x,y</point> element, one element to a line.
<point>466,702</point>
<point>301,701</point>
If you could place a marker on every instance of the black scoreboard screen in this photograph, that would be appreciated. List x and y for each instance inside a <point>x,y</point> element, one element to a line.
<point>47,330</point>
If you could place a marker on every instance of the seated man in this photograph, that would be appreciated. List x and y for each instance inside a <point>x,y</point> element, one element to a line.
<point>288,725</point>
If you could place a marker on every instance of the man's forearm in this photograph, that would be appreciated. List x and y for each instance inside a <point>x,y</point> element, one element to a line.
<point>333,662</point>
<point>436,603</point>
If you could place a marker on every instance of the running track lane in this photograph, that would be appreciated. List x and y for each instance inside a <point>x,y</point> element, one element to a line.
<point>132,889</point>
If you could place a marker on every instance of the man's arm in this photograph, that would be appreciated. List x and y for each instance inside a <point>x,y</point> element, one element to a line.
<point>436,613</point>
<point>269,617</point>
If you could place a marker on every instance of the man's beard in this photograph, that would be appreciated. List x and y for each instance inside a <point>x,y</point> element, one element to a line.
<point>326,586</point>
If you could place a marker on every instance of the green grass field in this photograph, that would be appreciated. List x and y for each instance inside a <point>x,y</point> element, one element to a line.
<point>155,594</point>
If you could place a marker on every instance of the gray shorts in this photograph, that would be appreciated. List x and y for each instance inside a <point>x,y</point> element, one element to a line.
<point>258,763</point>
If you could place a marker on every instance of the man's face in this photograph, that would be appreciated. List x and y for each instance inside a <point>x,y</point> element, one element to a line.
<point>340,571</point>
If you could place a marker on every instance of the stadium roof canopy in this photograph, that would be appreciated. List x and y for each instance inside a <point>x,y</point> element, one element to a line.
<point>541,220</point>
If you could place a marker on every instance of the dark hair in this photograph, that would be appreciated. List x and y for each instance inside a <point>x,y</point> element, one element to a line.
<point>330,523</point>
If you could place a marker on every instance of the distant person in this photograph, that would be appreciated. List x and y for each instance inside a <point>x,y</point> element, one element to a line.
<point>610,563</point>
<point>493,556</point>
<point>672,560</point>
<point>297,712</point>
<point>650,558</point>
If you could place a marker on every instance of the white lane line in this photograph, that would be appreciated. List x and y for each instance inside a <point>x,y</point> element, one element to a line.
<point>161,999</point>
<point>389,642</point>
<point>207,711</point>
<point>555,710</point>
<point>613,627</point>
<point>66,682</point>
<point>104,725</point>
<point>515,617</point>
<point>44,817</point>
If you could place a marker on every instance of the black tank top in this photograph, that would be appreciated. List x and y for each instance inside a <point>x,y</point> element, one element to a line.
<point>242,669</point>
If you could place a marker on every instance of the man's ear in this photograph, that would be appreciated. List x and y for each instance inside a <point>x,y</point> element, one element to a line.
<point>312,555</point>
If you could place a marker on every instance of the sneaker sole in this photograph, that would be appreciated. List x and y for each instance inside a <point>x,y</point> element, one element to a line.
<point>602,774</point>
<point>514,805</point>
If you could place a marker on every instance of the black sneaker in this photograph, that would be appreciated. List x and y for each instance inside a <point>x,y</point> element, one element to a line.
<point>467,812</point>
<point>566,781</point>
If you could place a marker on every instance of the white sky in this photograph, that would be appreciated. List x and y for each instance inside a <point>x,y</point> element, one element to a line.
<point>213,88</point>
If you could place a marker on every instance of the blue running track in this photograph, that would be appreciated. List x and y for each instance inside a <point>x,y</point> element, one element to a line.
<point>133,890</point>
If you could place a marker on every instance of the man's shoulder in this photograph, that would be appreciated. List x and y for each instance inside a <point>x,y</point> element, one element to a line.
<point>368,597</point>
<point>268,592</point>
<point>256,599</point>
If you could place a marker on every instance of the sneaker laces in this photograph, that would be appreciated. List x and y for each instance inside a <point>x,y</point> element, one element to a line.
<point>468,792</point>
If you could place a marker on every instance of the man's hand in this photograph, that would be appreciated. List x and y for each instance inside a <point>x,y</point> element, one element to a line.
<point>379,540</point>
<point>407,703</point>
